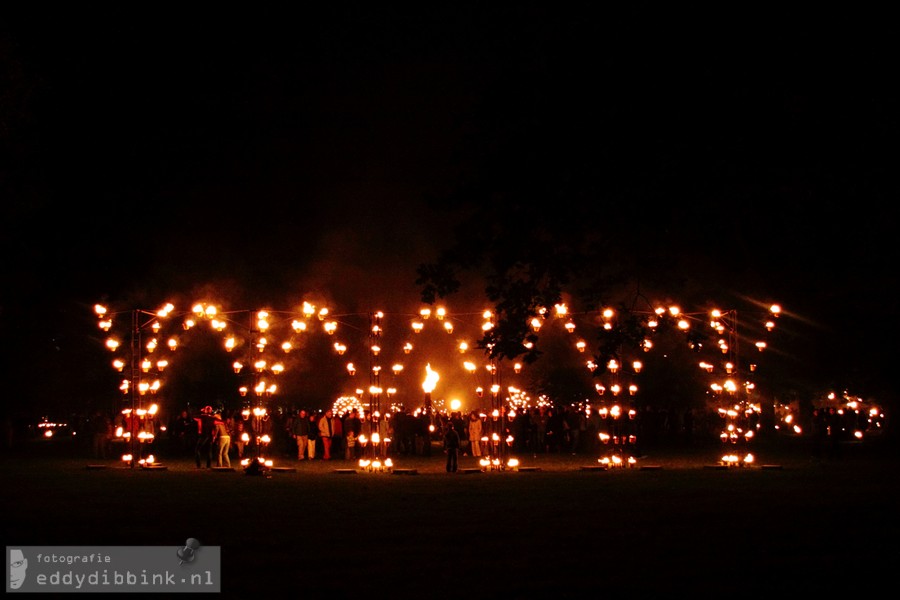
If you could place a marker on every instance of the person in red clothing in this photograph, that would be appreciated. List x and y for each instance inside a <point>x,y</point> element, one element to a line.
<point>205,430</point>
<point>326,433</point>
<point>337,436</point>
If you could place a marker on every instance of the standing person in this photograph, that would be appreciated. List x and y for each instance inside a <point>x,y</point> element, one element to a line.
<point>553,436</point>
<point>231,426</point>
<point>326,431</point>
<point>575,425</point>
<point>405,432</point>
<point>521,430</point>
<point>174,433</point>
<point>538,429</point>
<point>101,428</point>
<point>337,436</point>
<point>451,447</point>
<point>238,437</point>
<point>222,436</point>
<point>350,445</point>
<point>352,429</point>
<point>205,431</point>
<point>424,430</point>
<point>185,431</point>
<point>475,433</point>
<point>313,435</point>
<point>457,422</point>
<point>300,431</point>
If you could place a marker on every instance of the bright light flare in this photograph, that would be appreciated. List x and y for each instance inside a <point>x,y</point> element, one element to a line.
<point>431,379</point>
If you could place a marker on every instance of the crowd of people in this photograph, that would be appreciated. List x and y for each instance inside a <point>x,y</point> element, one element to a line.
<point>308,434</point>
<point>215,437</point>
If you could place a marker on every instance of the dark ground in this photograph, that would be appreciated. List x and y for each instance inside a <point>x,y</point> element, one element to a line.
<point>803,525</point>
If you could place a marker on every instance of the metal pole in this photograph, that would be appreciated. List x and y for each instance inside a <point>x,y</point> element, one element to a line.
<point>135,378</point>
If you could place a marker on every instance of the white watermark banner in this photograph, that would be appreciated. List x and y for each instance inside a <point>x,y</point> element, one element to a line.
<point>64,569</point>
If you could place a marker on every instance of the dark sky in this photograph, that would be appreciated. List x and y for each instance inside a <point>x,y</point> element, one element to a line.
<point>277,154</point>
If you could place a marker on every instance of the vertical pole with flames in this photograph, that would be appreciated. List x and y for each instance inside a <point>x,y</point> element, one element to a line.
<point>262,389</point>
<point>428,385</point>
<point>138,425</point>
<point>378,441</point>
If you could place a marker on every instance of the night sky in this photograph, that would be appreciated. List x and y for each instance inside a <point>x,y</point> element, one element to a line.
<point>273,155</point>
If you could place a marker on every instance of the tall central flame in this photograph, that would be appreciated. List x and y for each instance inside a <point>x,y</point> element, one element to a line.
<point>431,379</point>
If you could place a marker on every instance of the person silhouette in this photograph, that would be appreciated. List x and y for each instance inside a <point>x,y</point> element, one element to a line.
<point>205,431</point>
<point>18,565</point>
<point>451,447</point>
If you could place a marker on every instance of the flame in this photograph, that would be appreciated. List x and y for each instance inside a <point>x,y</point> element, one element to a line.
<point>431,379</point>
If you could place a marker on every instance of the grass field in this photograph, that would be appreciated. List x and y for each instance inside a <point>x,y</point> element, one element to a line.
<point>801,525</point>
